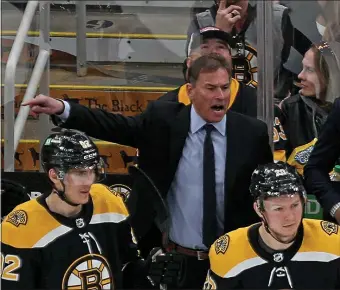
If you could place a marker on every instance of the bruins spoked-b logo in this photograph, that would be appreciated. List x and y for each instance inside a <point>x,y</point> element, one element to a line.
<point>91,271</point>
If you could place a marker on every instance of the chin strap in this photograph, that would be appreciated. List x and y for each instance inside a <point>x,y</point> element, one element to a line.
<point>62,196</point>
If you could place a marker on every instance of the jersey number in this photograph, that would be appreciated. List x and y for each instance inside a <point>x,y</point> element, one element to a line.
<point>9,264</point>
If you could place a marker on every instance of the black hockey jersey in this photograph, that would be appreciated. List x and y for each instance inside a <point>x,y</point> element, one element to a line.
<point>238,260</point>
<point>44,250</point>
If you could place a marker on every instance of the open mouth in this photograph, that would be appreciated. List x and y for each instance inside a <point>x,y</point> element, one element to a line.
<point>217,108</point>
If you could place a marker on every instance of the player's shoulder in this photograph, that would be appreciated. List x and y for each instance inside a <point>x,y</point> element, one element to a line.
<point>26,225</point>
<point>322,228</point>
<point>108,203</point>
<point>230,250</point>
<point>321,236</point>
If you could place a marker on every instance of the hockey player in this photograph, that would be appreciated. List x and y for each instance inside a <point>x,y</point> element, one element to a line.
<point>77,237</point>
<point>284,251</point>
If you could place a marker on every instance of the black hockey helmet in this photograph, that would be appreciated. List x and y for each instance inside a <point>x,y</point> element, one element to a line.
<point>70,149</point>
<point>276,179</point>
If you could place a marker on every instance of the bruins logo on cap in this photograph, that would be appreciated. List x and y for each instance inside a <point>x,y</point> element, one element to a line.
<point>329,228</point>
<point>120,190</point>
<point>221,244</point>
<point>17,218</point>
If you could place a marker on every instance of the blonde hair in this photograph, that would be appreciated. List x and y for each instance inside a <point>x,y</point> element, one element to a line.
<point>331,15</point>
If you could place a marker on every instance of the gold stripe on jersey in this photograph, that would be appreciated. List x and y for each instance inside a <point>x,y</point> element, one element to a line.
<point>320,237</point>
<point>30,224</point>
<point>321,243</point>
<point>114,204</point>
<point>222,261</point>
<point>38,224</point>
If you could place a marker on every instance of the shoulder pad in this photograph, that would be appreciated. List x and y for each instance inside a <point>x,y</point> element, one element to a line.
<point>26,225</point>
<point>105,201</point>
<point>229,251</point>
<point>321,236</point>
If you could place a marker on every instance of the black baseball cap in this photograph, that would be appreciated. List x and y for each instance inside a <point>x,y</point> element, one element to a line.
<point>209,32</point>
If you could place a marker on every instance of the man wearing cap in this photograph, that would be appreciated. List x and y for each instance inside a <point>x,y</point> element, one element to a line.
<point>238,19</point>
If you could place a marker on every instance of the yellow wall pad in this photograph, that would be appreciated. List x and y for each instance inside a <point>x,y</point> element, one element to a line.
<point>127,103</point>
<point>27,155</point>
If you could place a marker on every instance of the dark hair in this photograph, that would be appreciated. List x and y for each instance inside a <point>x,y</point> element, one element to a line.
<point>207,63</point>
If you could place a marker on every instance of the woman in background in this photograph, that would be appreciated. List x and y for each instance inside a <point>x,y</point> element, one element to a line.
<point>305,113</point>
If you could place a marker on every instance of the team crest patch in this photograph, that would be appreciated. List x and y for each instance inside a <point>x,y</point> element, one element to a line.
<point>329,228</point>
<point>303,156</point>
<point>120,190</point>
<point>17,218</point>
<point>221,244</point>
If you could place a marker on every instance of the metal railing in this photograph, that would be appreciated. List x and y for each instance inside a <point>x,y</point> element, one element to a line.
<point>265,56</point>
<point>13,131</point>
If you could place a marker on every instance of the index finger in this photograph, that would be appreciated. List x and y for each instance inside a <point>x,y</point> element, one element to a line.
<point>222,5</point>
<point>232,8</point>
<point>29,102</point>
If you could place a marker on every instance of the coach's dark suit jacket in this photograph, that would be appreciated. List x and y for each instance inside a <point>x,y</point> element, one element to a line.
<point>160,133</point>
<point>322,160</point>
